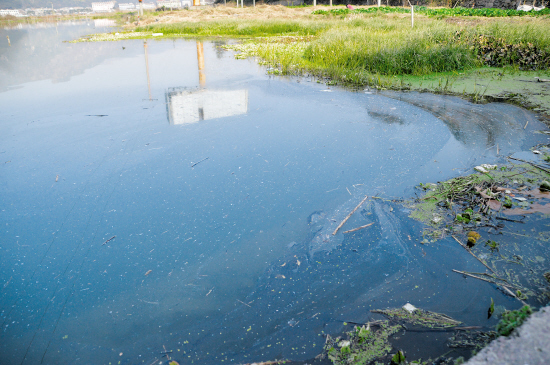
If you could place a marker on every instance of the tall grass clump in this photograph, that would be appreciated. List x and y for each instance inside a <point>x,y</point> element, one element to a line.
<point>526,45</point>
<point>235,28</point>
<point>399,51</point>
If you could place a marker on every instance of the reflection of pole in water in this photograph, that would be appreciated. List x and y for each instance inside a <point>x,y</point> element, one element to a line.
<point>9,43</point>
<point>200,58</point>
<point>147,69</point>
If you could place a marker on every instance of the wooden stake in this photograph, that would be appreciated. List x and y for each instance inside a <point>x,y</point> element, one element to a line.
<point>349,215</point>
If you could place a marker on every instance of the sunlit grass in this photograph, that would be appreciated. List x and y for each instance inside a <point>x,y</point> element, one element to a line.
<point>359,47</point>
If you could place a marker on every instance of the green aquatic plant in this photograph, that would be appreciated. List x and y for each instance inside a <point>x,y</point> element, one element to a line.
<point>363,345</point>
<point>512,319</point>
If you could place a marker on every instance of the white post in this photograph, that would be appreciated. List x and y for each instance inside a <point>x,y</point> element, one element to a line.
<point>330,2</point>
<point>314,2</point>
<point>254,3</point>
<point>412,16</point>
<point>379,3</point>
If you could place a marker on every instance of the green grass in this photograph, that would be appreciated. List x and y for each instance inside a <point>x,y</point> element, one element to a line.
<point>391,50</point>
<point>439,12</point>
<point>240,28</point>
<point>374,45</point>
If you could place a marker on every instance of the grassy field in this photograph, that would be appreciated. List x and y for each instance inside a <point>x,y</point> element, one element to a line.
<point>377,47</point>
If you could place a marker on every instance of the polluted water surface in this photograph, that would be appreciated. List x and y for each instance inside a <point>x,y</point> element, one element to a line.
<point>162,196</point>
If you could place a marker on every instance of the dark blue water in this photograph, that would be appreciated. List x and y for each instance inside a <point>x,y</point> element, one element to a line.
<point>208,174</point>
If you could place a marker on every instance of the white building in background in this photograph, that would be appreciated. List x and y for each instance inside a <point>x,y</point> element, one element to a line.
<point>149,6</point>
<point>4,12</point>
<point>127,6</point>
<point>169,4</point>
<point>103,7</point>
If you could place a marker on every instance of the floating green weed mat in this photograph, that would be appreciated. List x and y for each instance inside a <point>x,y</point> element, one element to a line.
<point>363,344</point>
<point>419,317</point>
<point>458,11</point>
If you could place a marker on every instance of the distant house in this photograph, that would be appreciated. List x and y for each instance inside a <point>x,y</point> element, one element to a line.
<point>4,12</point>
<point>103,7</point>
<point>149,6</point>
<point>169,4</point>
<point>127,6</point>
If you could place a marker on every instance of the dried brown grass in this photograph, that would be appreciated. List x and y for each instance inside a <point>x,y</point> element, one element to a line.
<point>221,12</point>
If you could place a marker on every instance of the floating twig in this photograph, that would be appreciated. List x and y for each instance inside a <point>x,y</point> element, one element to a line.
<point>492,282</point>
<point>349,215</point>
<point>145,301</point>
<point>110,239</point>
<point>530,163</point>
<point>210,291</point>
<point>240,301</point>
<point>471,253</point>
<point>358,228</point>
<point>166,353</point>
<point>196,163</point>
<point>7,283</point>
<point>509,220</point>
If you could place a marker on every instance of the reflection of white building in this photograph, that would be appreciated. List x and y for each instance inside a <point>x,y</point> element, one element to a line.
<point>169,4</point>
<point>104,23</point>
<point>103,7</point>
<point>186,107</point>
<point>127,6</point>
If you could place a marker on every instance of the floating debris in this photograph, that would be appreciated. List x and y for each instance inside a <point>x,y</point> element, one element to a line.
<point>363,345</point>
<point>418,317</point>
<point>109,240</point>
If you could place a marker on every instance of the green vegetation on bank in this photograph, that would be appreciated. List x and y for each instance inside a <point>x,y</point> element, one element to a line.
<point>355,49</point>
<point>377,46</point>
<point>438,12</point>
<point>239,28</point>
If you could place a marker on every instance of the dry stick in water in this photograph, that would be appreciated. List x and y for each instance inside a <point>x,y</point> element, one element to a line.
<point>349,215</point>
<point>240,301</point>
<point>358,228</point>
<point>530,163</point>
<point>471,253</point>
<point>492,282</point>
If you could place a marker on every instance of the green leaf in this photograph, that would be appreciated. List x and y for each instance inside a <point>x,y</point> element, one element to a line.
<point>491,309</point>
